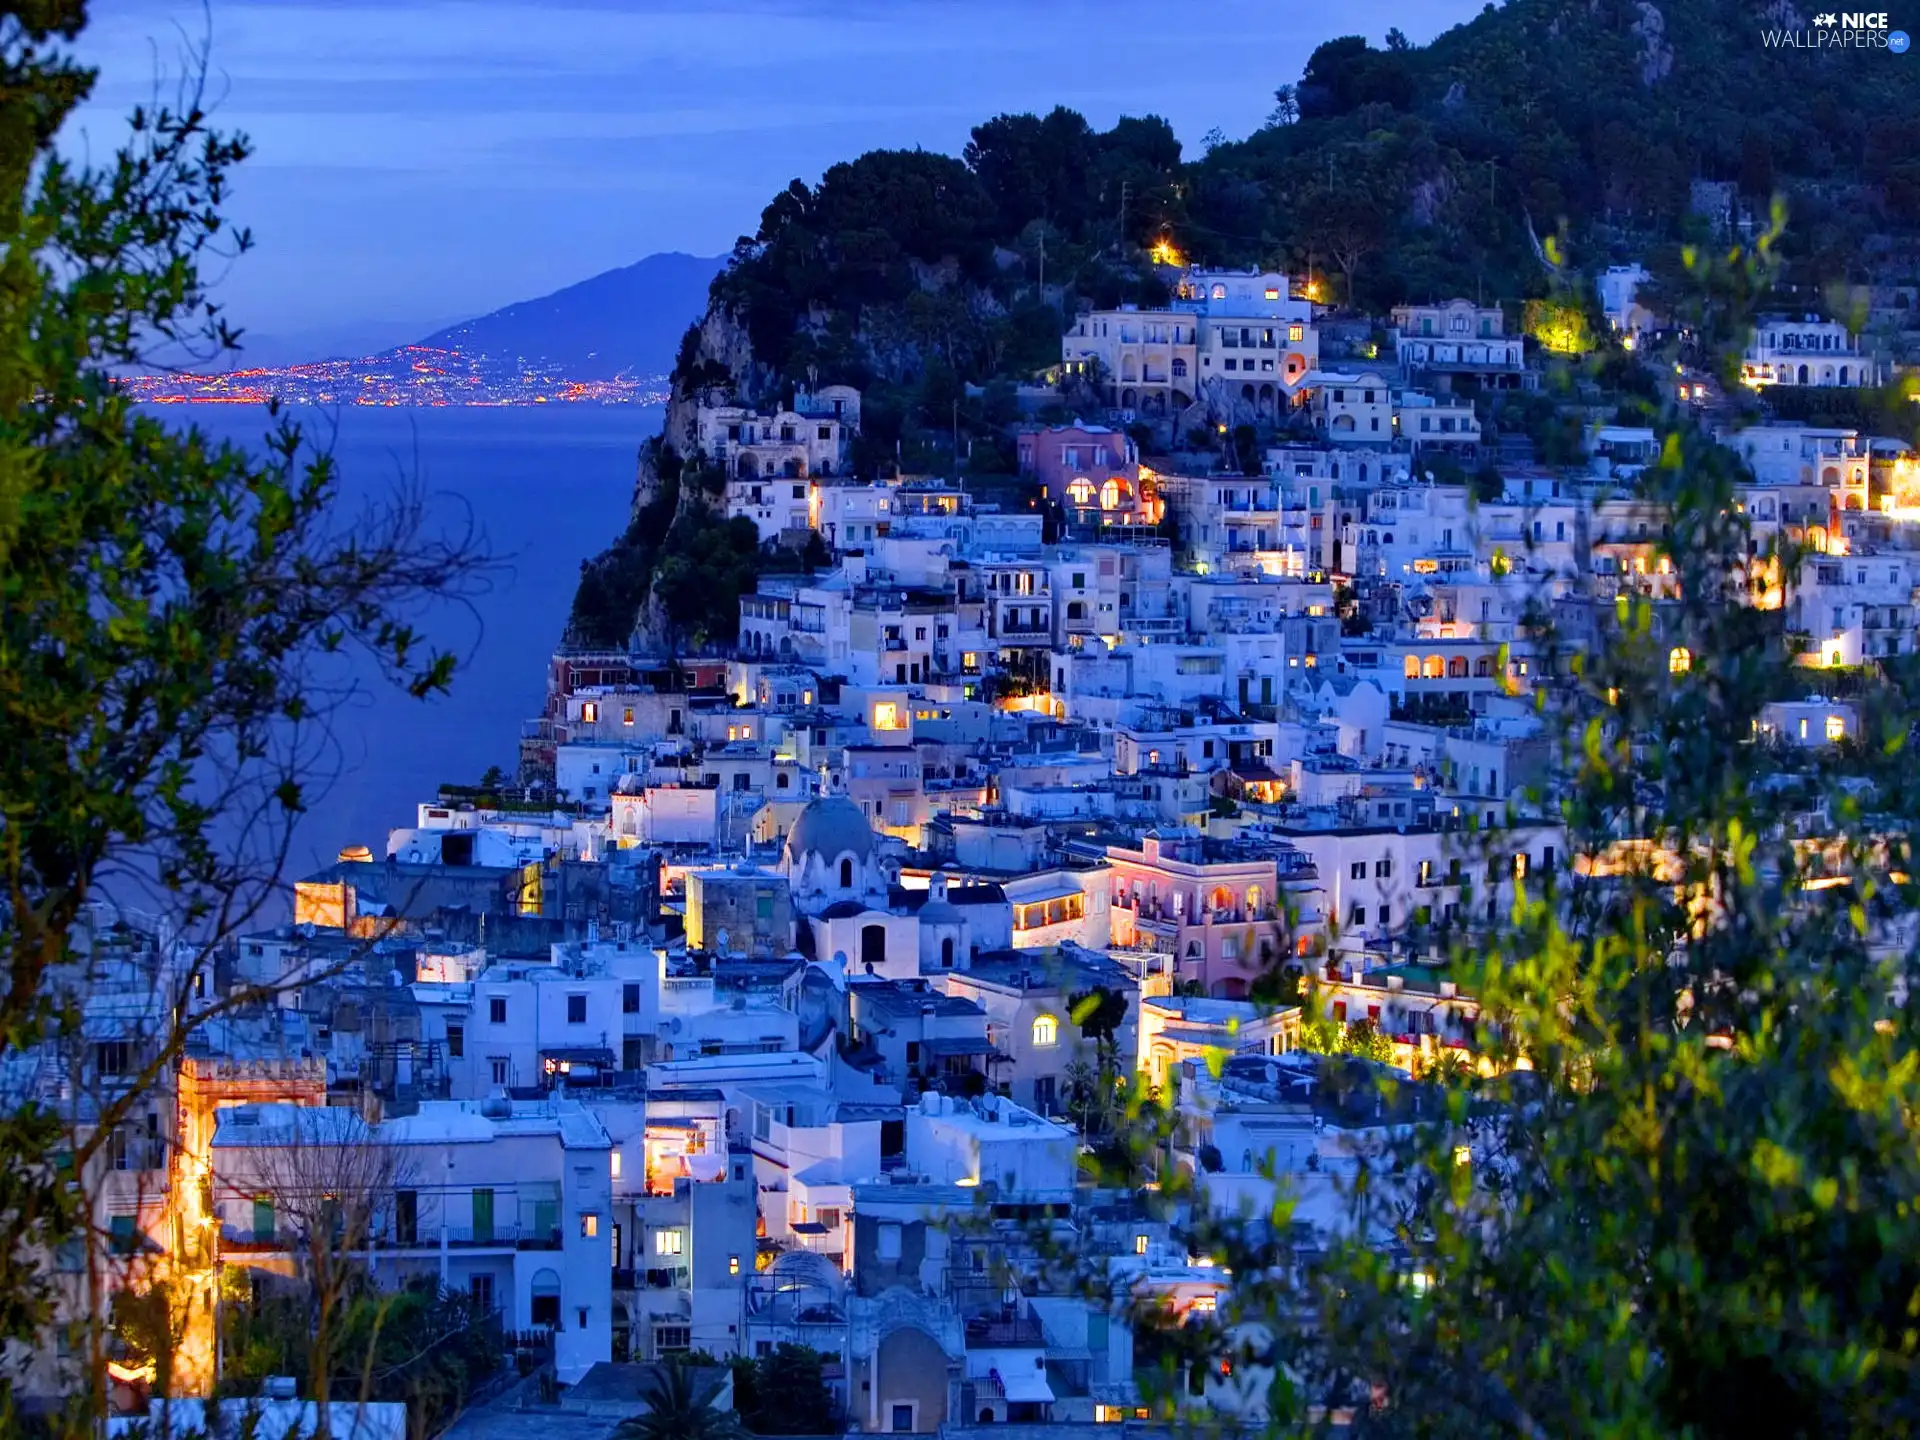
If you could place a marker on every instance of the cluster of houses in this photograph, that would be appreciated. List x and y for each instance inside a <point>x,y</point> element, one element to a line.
<point>803,986</point>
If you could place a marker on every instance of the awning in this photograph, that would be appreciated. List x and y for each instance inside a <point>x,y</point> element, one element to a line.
<point>1022,1388</point>
<point>1041,891</point>
<point>968,1045</point>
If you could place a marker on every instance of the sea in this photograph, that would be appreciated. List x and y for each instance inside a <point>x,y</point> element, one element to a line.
<point>544,487</point>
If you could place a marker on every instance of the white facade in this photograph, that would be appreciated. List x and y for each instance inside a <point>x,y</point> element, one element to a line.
<point>509,1201</point>
<point>1806,351</point>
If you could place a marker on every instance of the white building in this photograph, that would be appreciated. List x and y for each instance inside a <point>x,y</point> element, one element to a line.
<point>510,1201</point>
<point>1806,351</point>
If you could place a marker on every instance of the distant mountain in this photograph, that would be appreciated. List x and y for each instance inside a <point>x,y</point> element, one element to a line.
<point>627,321</point>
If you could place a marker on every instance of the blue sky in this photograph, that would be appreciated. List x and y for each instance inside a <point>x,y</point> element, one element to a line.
<point>419,161</point>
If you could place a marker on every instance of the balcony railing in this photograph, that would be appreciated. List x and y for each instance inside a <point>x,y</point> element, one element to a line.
<point>245,1239</point>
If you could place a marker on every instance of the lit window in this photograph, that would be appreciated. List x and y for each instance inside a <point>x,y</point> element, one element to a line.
<point>1140,1244</point>
<point>1836,727</point>
<point>1296,333</point>
<point>1110,495</point>
<point>887,716</point>
<point>1272,294</point>
<point>1679,660</point>
<point>627,716</point>
<point>1413,667</point>
<point>590,713</point>
<point>589,1225</point>
<point>1046,1030</point>
<point>1081,490</point>
<point>667,1242</point>
<point>733,1264</point>
<point>1204,1304</point>
<point>616,1164</point>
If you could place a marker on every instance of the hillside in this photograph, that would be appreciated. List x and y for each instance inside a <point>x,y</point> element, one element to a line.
<point>626,321</point>
<point>1623,128</point>
<point>1425,167</point>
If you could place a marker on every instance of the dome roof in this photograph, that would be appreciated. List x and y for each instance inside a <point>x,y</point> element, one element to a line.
<point>939,912</point>
<point>830,827</point>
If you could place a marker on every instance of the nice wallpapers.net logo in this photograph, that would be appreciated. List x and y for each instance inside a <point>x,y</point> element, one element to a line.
<point>1842,30</point>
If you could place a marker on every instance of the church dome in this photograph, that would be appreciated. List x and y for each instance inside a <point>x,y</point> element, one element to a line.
<point>830,827</point>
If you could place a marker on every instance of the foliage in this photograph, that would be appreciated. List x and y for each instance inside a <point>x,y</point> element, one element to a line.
<point>786,1393</point>
<point>148,1325</point>
<point>1559,324</point>
<point>422,1346</point>
<point>1099,1012</point>
<point>680,1407</point>
<point>1363,1038</point>
<point>170,610</point>
<point>1543,110</point>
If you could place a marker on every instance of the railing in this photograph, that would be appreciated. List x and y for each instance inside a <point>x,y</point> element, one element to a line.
<point>1022,1332</point>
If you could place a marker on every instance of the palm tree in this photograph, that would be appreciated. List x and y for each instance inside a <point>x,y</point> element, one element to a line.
<point>680,1407</point>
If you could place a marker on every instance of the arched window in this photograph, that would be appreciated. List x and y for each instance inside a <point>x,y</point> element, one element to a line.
<point>1046,1030</point>
<point>873,944</point>
<point>1221,899</point>
<point>1081,490</point>
<point>1433,667</point>
<point>1413,667</point>
<point>846,874</point>
<point>545,1309</point>
<point>1679,660</point>
<point>1256,897</point>
<point>1110,495</point>
<point>1457,667</point>
<point>1219,292</point>
<point>1179,369</point>
<point>1483,667</point>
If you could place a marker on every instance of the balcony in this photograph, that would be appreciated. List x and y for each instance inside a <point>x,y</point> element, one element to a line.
<point>1023,1333</point>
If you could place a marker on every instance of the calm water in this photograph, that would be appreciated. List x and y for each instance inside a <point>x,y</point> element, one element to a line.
<point>547,488</point>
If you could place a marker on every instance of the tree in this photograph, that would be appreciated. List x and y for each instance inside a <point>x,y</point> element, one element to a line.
<point>794,1398</point>
<point>1363,1038</point>
<point>1348,222</point>
<point>169,611</point>
<point>1099,1012</point>
<point>331,1183</point>
<point>680,1407</point>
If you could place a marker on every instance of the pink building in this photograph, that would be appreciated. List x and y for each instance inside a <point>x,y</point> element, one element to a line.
<point>1092,471</point>
<point>1212,906</point>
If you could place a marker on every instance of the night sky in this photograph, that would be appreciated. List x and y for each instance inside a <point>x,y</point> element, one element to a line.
<point>419,162</point>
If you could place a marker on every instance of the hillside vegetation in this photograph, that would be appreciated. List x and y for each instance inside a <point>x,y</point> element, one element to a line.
<point>936,283</point>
